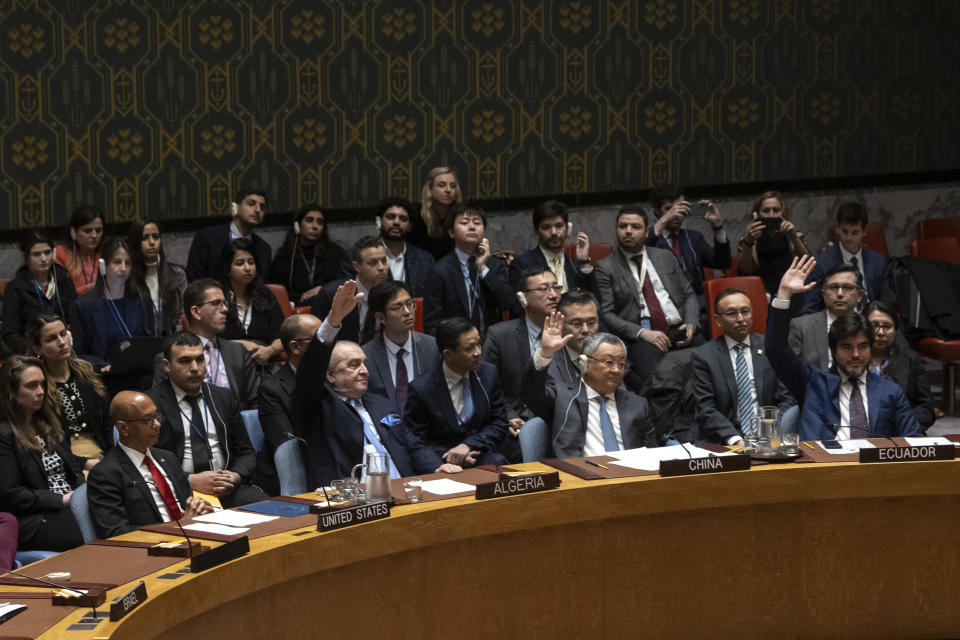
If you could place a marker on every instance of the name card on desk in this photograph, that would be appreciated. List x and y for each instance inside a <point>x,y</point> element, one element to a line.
<point>909,454</point>
<point>517,485</point>
<point>129,601</point>
<point>694,466</point>
<point>340,518</point>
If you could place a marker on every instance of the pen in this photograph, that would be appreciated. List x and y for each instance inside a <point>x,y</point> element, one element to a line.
<point>809,445</point>
<point>594,464</point>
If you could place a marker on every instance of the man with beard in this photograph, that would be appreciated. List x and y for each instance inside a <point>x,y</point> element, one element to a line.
<point>551,224</point>
<point>808,333</point>
<point>247,211</point>
<point>408,264</point>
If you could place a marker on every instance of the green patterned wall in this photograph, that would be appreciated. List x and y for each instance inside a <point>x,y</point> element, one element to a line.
<point>162,107</point>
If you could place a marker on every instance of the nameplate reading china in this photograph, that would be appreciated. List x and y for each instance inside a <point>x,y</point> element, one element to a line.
<point>340,518</point>
<point>694,466</point>
<point>517,485</point>
<point>909,454</point>
<point>128,602</point>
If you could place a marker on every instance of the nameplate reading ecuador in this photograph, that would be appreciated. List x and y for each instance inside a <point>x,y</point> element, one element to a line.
<point>129,601</point>
<point>340,518</point>
<point>713,464</point>
<point>516,485</point>
<point>909,454</point>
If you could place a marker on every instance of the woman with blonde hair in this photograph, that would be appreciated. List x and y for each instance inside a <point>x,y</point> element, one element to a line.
<point>770,242</point>
<point>439,193</point>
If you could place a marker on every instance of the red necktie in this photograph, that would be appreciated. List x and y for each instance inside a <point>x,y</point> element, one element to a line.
<point>675,246</point>
<point>658,321</point>
<point>172,507</point>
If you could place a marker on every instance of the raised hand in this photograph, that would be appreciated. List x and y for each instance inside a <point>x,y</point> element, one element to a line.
<point>793,281</point>
<point>344,300</point>
<point>552,339</point>
<point>583,247</point>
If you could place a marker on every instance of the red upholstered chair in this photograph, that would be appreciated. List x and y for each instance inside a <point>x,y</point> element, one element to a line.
<point>939,227</point>
<point>755,291</point>
<point>3,285</point>
<point>418,316</point>
<point>948,353</point>
<point>281,294</point>
<point>873,238</point>
<point>301,310</point>
<point>598,251</point>
<point>731,272</point>
<point>946,249</point>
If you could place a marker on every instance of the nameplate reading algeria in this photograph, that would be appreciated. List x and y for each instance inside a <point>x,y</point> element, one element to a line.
<point>340,518</point>
<point>695,466</point>
<point>909,454</point>
<point>516,485</point>
<point>129,601</point>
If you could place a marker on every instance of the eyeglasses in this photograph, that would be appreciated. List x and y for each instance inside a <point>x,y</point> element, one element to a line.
<point>736,313</point>
<point>883,326</point>
<point>613,364</point>
<point>556,288</point>
<point>150,418</point>
<point>215,303</point>
<point>579,324</point>
<point>847,288</point>
<point>410,304</point>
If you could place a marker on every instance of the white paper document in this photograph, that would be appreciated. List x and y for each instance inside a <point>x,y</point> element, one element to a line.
<point>216,528</point>
<point>915,441</point>
<point>649,459</point>
<point>849,446</point>
<point>235,518</point>
<point>446,487</point>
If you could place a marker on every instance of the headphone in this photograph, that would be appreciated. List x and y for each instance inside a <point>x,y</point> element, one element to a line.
<point>376,221</point>
<point>582,359</point>
<point>569,229</point>
<point>226,441</point>
<point>296,227</point>
<point>103,266</point>
<point>522,297</point>
<point>234,209</point>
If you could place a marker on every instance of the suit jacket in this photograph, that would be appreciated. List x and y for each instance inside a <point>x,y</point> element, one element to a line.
<point>119,498</point>
<point>23,482</point>
<point>508,349</point>
<point>562,369</point>
<point>240,455</point>
<point>425,358</point>
<point>535,258</point>
<point>620,299</point>
<point>874,266</point>
<point>275,410</point>
<point>565,407</point>
<point>433,425</point>
<point>808,339</point>
<point>447,294</point>
<point>242,373</point>
<point>905,367</point>
<point>715,387</point>
<point>817,390</point>
<point>22,302</point>
<point>333,430</point>
<point>696,253</point>
<point>208,245</point>
<point>350,328</point>
<point>417,265</point>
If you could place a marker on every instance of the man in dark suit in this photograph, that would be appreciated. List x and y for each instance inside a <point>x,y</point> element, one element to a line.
<point>595,414</point>
<point>370,262</point>
<point>852,221</point>
<point>397,354</point>
<point>847,401</point>
<point>808,333</point>
<point>247,209</point>
<point>550,223</point>
<point>468,282</point>
<point>581,319</point>
<point>336,417</point>
<point>408,264</point>
<point>201,424</point>
<point>731,376</point>
<point>136,483</point>
<point>657,317</point>
<point>455,414</point>
<point>275,401</point>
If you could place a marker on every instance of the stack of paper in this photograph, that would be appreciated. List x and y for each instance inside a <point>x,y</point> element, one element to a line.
<point>849,446</point>
<point>650,459</point>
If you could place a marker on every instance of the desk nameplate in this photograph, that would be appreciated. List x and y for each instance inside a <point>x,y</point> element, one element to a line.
<point>711,464</point>
<point>340,518</point>
<point>517,485</point>
<point>919,453</point>
<point>129,601</point>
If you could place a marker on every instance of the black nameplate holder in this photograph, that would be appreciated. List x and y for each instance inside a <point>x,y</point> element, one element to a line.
<point>333,519</point>
<point>920,453</point>
<point>129,601</point>
<point>218,555</point>
<point>710,464</point>
<point>515,485</point>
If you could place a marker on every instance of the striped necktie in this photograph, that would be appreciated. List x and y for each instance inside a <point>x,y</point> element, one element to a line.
<point>745,410</point>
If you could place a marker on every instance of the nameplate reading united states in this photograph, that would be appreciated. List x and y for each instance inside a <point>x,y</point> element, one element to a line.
<point>340,518</point>
<point>129,601</point>
<point>909,454</point>
<point>712,464</point>
<point>517,485</point>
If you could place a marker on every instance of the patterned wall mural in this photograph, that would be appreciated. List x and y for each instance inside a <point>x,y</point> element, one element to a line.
<point>163,107</point>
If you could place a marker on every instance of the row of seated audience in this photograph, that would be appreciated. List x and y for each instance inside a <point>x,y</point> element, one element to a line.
<point>578,359</point>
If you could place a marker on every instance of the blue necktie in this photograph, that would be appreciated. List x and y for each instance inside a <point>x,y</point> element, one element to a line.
<point>610,442</point>
<point>371,436</point>
<point>745,411</point>
<point>468,409</point>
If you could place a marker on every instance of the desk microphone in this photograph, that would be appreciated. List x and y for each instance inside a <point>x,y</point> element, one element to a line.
<point>183,532</point>
<point>687,451</point>
<point>72,592</point>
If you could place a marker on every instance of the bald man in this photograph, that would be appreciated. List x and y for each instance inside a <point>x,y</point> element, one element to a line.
<point>137,484</point>
<point>334,414</point>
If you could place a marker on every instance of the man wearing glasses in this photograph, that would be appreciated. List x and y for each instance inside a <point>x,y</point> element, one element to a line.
<point>808,333</point>
<point>731,375</point>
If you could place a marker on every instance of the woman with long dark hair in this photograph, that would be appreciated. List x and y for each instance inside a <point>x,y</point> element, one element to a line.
<point>253,313</point>
<point>81,256</point>
<point>440,192</point>
<point>164,281</point>
<point>308,258</point>
<point>38,472</point>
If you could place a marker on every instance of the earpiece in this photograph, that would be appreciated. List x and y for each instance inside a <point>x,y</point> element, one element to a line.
<point>70,339</point>
<point>755,215</point>
<point>569,228</point>
<point>103,266</point>
<point>234,209</point>
<point>296,227</point>
<point>582,359</point>
<point>522,297</point>
<point>377,222</point>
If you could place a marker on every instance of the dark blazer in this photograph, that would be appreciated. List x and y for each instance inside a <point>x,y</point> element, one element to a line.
<point>23,482</point>
<point>696,253</point>
<point>290,269</point>
<point>120,499</point>
<point>535,258</point>
<point>264,323</point>
<point>275,410</point>
<point>417,265</point>
<point>905,367</point>
<point>447,294</point>
<point>874,265</point>
<point>208,244</point>
<point>508,349</point>
<point>350,328</point>
<point>564,406</point>
<point>98,414</point>
<point>562,369</point>
<point>817,391</point>
<point>620,299</point>
<point>715,387</point>
<point>242,373</point>
<point>96,329</point>
<point>433,425</point>
<point>425,358</point>
<point>22,301</point>
<point>808,339</point>
<point>333,430</point>
<point>240,455</point>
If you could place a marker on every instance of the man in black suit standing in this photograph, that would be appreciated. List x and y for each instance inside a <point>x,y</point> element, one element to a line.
<point>247,211</point>
<point>731,376</point>
<point>336,417</point>
<point>551,223</point>
<point>201,424</point>
<point>370,262</point>
<point>136,483</point>
<point>408,264</point>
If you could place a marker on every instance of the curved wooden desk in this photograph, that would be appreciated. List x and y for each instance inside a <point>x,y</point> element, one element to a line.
<point>839,550</point>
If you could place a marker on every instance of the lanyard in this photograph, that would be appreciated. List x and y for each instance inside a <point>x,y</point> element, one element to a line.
<point>202,434</point>
<point>117,318</point>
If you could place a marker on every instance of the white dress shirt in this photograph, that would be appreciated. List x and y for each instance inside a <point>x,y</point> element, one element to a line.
<point>216,368</point>
<point>847,256</point>
<point>455,383</point>
<point>396,262</point>
<point>669,309</point>
<point>534,334</point>
<point>593,440</point>
<point>216,459</point>
<point>392,349</point>
<point>560,273</point>
<point>137,459</point>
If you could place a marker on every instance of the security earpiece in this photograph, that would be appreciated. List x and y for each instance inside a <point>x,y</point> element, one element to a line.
<point>377,222</point>
<point>522,297</point>
<point>582,358</point>
<point>569,228</point>
<point>234,209</point>
<point>296,227</point>
<point>103,266</point>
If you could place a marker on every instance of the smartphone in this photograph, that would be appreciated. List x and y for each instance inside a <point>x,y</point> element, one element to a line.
<point>698,209</point>
<point>771,224</point>
<point>831,444</point>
